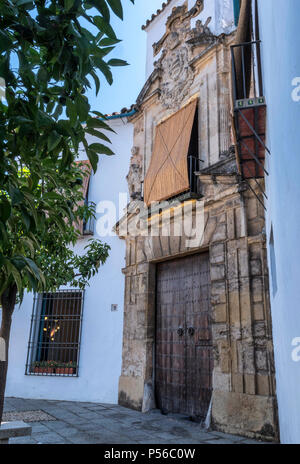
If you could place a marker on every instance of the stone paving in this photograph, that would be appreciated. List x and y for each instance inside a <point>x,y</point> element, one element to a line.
<point>91,423</point>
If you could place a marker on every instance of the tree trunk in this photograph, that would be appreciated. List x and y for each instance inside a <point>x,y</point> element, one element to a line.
<point>243,34</point>
<point>8,301</point>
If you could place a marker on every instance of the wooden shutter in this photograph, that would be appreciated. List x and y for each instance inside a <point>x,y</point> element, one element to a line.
<point>86,168</point>
<point>167,175</point>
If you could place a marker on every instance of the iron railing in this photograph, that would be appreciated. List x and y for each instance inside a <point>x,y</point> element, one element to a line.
<point>193,168</point>
<point>246,71</point>
<point>249,112</point>
<point>55,334</point>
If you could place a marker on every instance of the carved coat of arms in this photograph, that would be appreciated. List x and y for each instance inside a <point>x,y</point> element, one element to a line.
<point>176,45</point>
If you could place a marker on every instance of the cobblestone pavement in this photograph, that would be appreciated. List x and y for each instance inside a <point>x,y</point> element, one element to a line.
<point>90,423</point>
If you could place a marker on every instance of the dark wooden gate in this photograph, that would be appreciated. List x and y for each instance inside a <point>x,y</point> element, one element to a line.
<point>183,336</point>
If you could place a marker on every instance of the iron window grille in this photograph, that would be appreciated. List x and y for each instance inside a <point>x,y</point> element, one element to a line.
<point>55,334</point>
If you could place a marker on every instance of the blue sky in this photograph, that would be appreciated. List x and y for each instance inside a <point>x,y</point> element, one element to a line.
<point>129,80</point>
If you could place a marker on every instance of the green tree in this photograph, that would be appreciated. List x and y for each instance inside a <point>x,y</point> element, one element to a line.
<point>51,52</point>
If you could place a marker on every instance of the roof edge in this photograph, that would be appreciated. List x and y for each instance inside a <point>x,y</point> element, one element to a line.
<point>154,16</point>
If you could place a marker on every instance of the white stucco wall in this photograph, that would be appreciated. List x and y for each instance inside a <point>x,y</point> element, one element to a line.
<point>101,343</point>
<point>221,12</point>
<point>279,24</point>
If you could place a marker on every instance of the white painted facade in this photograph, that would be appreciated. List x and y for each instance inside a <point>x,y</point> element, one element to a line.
<point>221,12</point>
<point>101,341</point>
<point>279,31</point>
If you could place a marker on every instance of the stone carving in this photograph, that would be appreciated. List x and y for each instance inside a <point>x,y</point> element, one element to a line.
<point>176,73</point>
<point>134,177</point>
<point>175,63</point>
<point>201,34</point>
<point>179,17</point>
<point>177,77</point>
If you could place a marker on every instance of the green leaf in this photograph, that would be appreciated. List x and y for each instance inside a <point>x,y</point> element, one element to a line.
<point>117,62</point>
<point>53,140</point>
<point>71,111</point>
<point>25,218</point>
<point>104,26</point>
<point>102,8</point>
<point>96,80</point>
<point>98,134</point>
<point>18,262</point>
<point>5,42</point>
<point>94,123</point>
<point>102,149</point>
<point>5,208</point>
<point>35,270</point>
<point>23,2</point>
<point>104,68</point>
<point>42,75</point>
<point>82,107</point>
<point>16,195</point>
<point>107,42</point>
<point>52,196</point>
<point>69,4</point>
<point>117,8</point>
<point>16,275</point>
<point>94,158</point>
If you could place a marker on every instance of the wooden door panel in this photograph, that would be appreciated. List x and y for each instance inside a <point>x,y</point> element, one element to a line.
<point>184,360</point>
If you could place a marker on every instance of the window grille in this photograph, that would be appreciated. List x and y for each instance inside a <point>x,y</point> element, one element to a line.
<point>55,333</point>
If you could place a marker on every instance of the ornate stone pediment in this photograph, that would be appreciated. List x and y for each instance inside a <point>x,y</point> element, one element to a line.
<point>176,47</point>
<point>178,20</point>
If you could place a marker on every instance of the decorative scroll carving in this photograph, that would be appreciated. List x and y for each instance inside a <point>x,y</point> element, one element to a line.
<point>179,16</point>
<point>201,34</point>
<point>175,63</point>
<point>134,177</point>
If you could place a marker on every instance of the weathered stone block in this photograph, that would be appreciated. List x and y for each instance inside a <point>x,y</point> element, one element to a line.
<point>249,384</point>
<point>252,210</point>
<point>263,385</point>
<point>217,253</point>
<point>218,292</point>
<point>220,313</point>
<point>220,233</point>
<point>242,414</point>
<point>217,272</point>
<point>237,382</point>
<point>221,380</point>
<point>224,351</point>
<point>255,267</point>
<point>257,290</point>
<point>258,310</point>
<point>261,360</point>
<point>230,224</point>
<point>131,392</point>
<point>259,329</point>
<point>234,306</point>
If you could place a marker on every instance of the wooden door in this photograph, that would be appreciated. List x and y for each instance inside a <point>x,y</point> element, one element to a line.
<point>183,336</point>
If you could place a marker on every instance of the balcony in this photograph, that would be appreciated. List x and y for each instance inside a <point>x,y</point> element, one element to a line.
<point>249,111</point>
